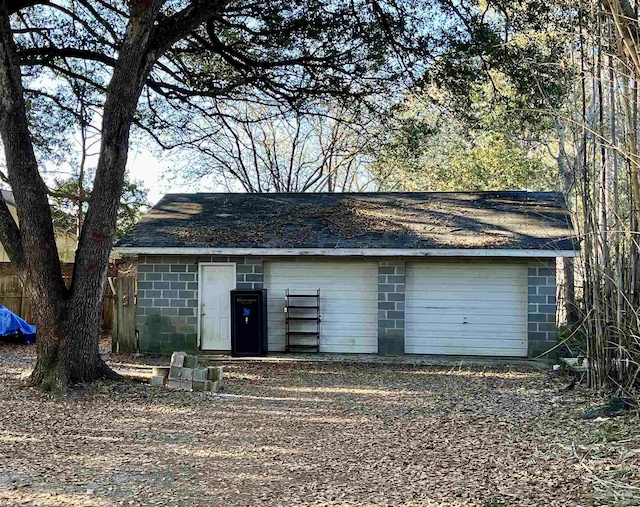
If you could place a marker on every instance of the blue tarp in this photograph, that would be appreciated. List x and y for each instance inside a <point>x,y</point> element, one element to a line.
<point>11,324</point>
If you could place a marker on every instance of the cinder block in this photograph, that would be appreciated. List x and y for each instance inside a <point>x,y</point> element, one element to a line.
<point>198,385</point>
<point>212,386</point>
<point>157,381</point>
<point>214,372</point>
<point>177,359</point>
<point>161,371</point>
<point>174,384</point>
<point>187,385</point>
<point>200,374</point>
<point>175,372</point>
<point>187,374</point>
<point>190,361</point>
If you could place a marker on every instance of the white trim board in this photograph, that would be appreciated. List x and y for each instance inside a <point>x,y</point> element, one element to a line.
<point>351,252</point>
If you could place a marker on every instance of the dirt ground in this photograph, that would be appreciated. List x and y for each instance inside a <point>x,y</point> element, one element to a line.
<point>316,434</point>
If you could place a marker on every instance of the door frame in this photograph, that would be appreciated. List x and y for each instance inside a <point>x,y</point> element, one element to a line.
<point>200,291</point>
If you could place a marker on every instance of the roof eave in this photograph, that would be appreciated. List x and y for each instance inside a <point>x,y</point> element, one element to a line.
<point>351,252</point>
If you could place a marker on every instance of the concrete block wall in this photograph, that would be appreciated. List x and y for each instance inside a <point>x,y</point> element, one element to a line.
<point>541,281</point>
<point>167,303</point>
<point>391,310</point>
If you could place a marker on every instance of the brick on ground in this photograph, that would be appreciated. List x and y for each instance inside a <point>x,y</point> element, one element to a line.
<point>177,359</point>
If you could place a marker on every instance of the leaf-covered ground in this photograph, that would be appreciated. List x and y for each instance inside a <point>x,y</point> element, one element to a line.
<point>316,434</point>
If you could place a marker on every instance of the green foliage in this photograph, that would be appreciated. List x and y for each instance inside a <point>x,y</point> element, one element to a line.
<point>66,198</point>
<point>433,151</point>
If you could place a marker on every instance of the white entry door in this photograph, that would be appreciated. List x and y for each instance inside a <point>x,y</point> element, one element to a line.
<point>216,282</point>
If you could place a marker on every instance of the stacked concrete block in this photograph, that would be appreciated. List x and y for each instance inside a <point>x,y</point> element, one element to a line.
<point>215,376</point>
<point>184,373</point>
<point>391,301</point>
<point>542,305</point>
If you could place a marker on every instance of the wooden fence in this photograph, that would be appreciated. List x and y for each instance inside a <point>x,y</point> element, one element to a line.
<point>13,296</point>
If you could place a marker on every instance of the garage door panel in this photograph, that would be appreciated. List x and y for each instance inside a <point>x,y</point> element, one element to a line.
<point>467,349</point>
<point>348,302</point>
<point>494,319</point>
<point>490,298</point>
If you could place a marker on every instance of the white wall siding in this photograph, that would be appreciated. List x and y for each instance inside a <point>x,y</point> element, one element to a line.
<point>466,309</point>
<point>348,301</point>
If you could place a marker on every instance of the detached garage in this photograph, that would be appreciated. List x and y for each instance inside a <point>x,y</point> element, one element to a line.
<point>415,273</point>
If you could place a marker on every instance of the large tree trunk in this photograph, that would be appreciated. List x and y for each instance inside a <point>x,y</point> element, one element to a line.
<point>68,319</point>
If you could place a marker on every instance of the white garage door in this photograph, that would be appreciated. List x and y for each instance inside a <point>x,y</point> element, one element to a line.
<point>348,301</point>
<point>466,309</point>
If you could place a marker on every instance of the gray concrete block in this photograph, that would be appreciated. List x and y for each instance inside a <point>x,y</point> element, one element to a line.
<point>191,361</point>
<point>200,374</point>
<point>187,385</point>
<point>198,385</point>
<point>157,381</point>
<point>178,268</point>
<point>215,372</point>
<point>384,324</point>
<point>537,317</point>
<point>395,279</point>
<point>177,359</point>
<point>212,385</point>
<point>161,371</point>
<point>173,384</point>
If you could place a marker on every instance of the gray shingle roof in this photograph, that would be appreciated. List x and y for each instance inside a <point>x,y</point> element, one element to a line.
<point>415,220</point>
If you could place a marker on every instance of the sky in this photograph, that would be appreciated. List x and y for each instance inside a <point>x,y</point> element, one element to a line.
<point>154,173</point>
